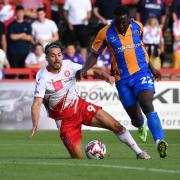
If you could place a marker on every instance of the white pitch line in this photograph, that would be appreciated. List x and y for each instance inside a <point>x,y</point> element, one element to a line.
<point>167,171</point>
<point>47,144</point>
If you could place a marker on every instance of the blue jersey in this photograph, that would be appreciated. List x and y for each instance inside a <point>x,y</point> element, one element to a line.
<point>128,53</point>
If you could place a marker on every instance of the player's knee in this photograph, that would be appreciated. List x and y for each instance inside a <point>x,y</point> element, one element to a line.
<point>147,108</point>
<point>146,105</point>
<point>136,123</point>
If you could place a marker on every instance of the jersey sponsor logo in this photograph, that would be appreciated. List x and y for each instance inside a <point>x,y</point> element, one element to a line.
<point>57,85</point>
<point>127,47</point>
<point>67,73</point>
<point>152,6</point>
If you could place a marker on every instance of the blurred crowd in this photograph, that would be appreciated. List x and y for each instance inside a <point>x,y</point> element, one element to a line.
<point>27,26</point>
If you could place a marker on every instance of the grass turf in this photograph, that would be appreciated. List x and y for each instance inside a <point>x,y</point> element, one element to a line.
<point>44,157</point>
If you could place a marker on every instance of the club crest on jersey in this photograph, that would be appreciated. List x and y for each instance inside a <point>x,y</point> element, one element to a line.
<point>136,33</point>
<point>67,73</point>
<point>57,85</point>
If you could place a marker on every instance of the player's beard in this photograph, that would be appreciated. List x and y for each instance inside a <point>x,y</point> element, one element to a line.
<point>57,65</point>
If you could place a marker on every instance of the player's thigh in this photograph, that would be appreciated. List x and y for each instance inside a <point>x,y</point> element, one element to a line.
<point>126,94</point>
<point>105,120</point>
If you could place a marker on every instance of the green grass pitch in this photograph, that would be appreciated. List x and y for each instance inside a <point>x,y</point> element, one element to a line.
<point>45,158</point>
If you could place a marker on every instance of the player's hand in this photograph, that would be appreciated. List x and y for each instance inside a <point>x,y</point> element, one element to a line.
<point>110,80</point>
<point>33,131</point>
<point>156,74</point>
<point>80,74</point>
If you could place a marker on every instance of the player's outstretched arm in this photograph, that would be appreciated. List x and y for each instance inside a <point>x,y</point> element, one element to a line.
<point>35,109</point>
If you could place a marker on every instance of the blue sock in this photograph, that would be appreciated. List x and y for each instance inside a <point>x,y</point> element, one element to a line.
<point>154,125</point>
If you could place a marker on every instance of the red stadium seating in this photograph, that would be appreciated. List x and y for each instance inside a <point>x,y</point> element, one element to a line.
<point>170,74</point>
<point>20,71</point>
<point>167,73</point>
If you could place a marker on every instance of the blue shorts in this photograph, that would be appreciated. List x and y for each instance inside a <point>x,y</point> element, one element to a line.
<point>129,89</point>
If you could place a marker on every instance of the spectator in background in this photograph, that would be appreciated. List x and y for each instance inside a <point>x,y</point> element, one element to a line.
<point>103,11</point>
<point>72,54</point>
<point>3,63</point>
<point>7,12</point>
<point>176,10</point>
<point>3,43</point>
<point>176,44</point>
<point>19,39</point>
<point>147,8</point>
<point>103,65</point>
<point>37,58</point>
<point>104,60</point>
<point>55,14</point>
<point>30,7</point>
<point>44,30</point>
<point>77,14</point>
<point>154,42</point>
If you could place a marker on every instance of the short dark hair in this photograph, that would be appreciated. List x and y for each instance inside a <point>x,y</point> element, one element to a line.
<point>36,45</point>
<point>121,10</point>
<point>19,7</point>
<point>41,9</point>
<point>55,44</point>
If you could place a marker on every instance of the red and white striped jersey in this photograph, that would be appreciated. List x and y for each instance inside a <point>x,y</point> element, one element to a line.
<point>152,35</point>
<point>58,88</point>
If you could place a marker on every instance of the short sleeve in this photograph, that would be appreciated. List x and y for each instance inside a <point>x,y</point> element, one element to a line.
<point>99,43</point>
<point>54,27</point>
<point>76,67</point>
<point>89,6</point>
<point>40,87</point>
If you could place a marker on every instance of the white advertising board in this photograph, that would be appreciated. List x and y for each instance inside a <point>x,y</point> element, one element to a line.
<point>16,99</point>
